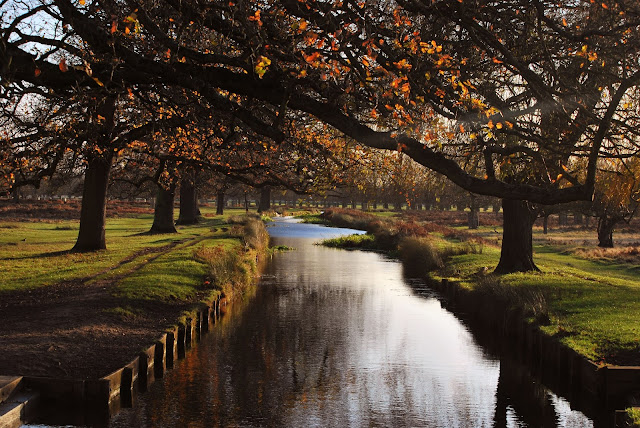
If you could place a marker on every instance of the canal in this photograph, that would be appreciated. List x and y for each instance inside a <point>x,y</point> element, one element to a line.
<point>342,338</point>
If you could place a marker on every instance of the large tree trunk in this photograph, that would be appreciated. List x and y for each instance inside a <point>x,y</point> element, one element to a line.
<point>605,231</point>
<point>517,247</point>
<point>93,213</point>
<point>563,219</point>
<point>163,221</point>
<point>265,199</point>
<point>472,218</point>
<point>188,202</point>
<point>220,202</point>
<point>577,219</point>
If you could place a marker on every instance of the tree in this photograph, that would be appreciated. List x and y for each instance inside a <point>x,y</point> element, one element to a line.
<point>617,197</point>
<point>448,82</point>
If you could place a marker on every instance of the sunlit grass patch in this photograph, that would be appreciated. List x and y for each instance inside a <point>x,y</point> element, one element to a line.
<point>313,218</point>
<point>361,241</point>
<point>35,254</point>
<point>630,254</point>
<point>593,307</point>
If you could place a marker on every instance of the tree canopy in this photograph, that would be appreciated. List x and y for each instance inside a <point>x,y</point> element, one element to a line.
<point>515,99</point>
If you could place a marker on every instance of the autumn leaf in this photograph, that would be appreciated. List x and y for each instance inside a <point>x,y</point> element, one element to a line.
<point>37,72</point>
<point>62,65</point>
<point>262,66</point>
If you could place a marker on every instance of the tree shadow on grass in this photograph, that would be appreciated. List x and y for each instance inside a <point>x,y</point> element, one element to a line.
<point>40,255</point>
<point>153,233</point>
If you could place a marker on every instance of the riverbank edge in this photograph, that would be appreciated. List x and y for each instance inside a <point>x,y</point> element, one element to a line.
<point>618,387</point>
<point>570,373</point>
<point>94,401</point>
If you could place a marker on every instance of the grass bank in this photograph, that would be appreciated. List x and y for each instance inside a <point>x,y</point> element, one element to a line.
<point>73,315</point>
<point>590,304</point>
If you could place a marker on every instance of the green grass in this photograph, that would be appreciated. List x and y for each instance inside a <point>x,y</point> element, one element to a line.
<point>634,415</point>
<point>200,262</point>
<point>313,218</point>
<point>594,307</point>
<point>225,259</point>
<point>36,254</point>
<point>361,241</point>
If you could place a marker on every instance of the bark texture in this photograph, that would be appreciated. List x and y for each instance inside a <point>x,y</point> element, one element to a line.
<point>163,220</point>
<point>517,248</point>
<point>220,202</point>
<point>93,213</point>
<point>265,199</point>
<point>605,231</point>
<point>188,202</point>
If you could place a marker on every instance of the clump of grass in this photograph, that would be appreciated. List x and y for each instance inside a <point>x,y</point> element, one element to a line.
<point>419,255</point>
<point>236,219</point>
<point>630,254</point>
<point>313,218</point>
<point>280,248</point>
<point>255,235</point>
<point>458,249</point>
<point>362,241</point>
<point>349,218</point>
<point>223,267</point>
<point>530,300</point>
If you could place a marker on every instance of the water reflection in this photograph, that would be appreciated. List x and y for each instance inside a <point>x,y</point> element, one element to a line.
<point>337,338</point>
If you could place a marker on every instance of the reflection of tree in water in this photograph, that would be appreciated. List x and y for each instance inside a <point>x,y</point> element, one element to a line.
<point>518,392</point>
<point>337,340</point>
<point>519,395</point>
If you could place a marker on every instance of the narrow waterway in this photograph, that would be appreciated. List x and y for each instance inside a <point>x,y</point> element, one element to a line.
<point>340,338</point>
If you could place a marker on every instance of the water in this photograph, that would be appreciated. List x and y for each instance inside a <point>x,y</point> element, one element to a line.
<point>340,338</point>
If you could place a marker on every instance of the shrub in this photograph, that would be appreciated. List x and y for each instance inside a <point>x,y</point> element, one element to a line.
<point>255,235</point>
<point>419,255</point>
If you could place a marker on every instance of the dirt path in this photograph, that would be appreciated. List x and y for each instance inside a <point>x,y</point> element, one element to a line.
<point>67,331</point>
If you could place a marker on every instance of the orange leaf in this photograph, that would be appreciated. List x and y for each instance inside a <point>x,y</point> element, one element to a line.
<point>37,72</point>
<point>62,65</point>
